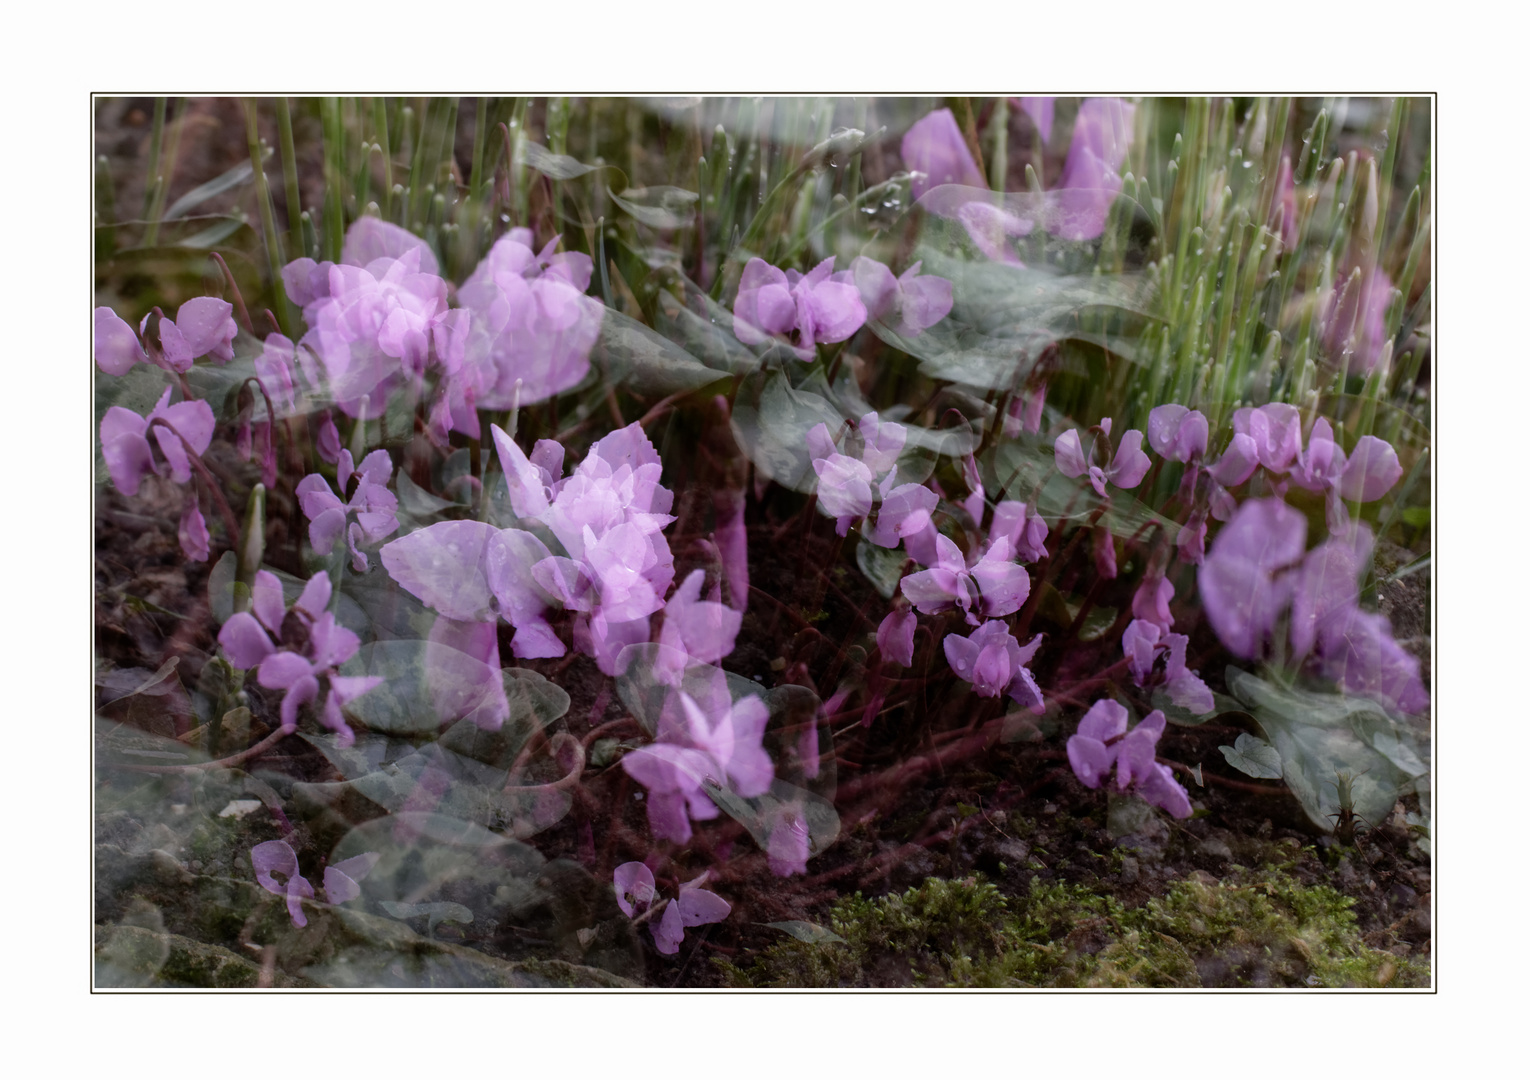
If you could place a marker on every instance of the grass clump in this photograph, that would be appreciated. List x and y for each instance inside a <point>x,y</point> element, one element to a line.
<point>1253,928</point>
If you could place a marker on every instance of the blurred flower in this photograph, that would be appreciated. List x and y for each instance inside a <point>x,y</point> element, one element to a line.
<point>1358,652</point>
<point>1150,602</point>
<point>1354,321</point>
<point>310,646</point>
<point>193,534</point>
<point>328,442</point>
<point>531,332</point>
<point>470,571</point>
<point>1040,110</point>
<point>1238,581</point>
<point>711,741</point>
<point>800,309</point>
<point>374,506</point>
<point>915,302</point>
<point>378,316</point>
<point>1025,530</point>
<point>845,482</point>
<point>935,151</point>
<point>277,857</point>
<point>994,663</point>
<point>895,636</point>
<point>126,449</point>
<point>790,842</point>
<point>1091,178</point>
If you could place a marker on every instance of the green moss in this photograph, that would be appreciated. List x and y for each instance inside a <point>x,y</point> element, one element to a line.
<point>1253,928</point>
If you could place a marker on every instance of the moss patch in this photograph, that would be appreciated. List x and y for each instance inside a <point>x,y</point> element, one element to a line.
<point>1252,928</point>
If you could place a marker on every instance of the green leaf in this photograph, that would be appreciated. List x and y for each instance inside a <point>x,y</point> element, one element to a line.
<point>882,566</point>
<point>647,363</point>
<point>704,328</point>
<point>1253,756</point>
<point>771,419</point>
<point>213,234</point>
<point>1319,736</point>
<point>544,161</point>
<point>810,933</point>
<point>763,814</point>
<point>660,207</point>
<point>228,181</point>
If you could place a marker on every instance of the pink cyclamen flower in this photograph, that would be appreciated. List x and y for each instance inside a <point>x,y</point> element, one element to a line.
<point>995,663</point>
<point>317,649</point>
<point>695,630</point>
<point>714,740</point>
<point>192,533</point>
<point>203,326</point>
<point>1178,433</point>
<point>910,303</point>
<point>1142,642</point>
<point>125,440</point>
<point>1365,476</point>
<point>531,332</point>
<point>895,636</point>
<point>1102,740</point>
<point>1127,467</point>
<point>1091,178</point>
<point>801,310</point>
<point>276,857</point>
<point>991,587</point>
<point>1355,322</point>
<point>845,482</point>
<point>1276,430</point>
<point>636,893</point>
<point>1040,110</point>
<point>378,317</point>
<point>1025,530</point>
<point>1150,602</point>
<point>373,506</point>
<point>1241,583</point>
<point>936,153</point>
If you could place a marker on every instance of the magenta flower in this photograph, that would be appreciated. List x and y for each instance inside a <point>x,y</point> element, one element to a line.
<point>117,347</point>
<point>800,309</point>
<point>192,533</point>
<point>376,320</point>
<point>909,303</point>
<point>1091,178</point>
<point>845,490</point>
<point>1276,430</point>
<point>1040,110</point>
<point>636,893</point>
<point>1240,581</point>
<point>991,587</point>
<point>277,857</point>
<point>1358,652</point>
<point>203,326</point>
<point>607,515</point>
<point>311,646</point>
<point>128,453</point>
<point>1150,602</point>
<point>895,636</point>
<point>1178,433</point>
<point>1102,741</point>
<point>1364,477</point>
<point>936,153</point>
<point>1025,530</point>
<point>374,507</point>
<point>469,571</point>
<point>1126,469</point>
<point>532,327</point>
<point>1354,321</point>
<point>790,842</point>
<point>994,663</point>
<point>1142,643</point>
<point>715,740</point>
<point>703,631</point>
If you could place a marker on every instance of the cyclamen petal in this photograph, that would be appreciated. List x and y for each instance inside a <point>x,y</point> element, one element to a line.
<point>207,325</point>
<point>1071,461</point>
<point>1372,470</point>
<point>895,637</point>
<point>193,534</point>
<point>934,147</point>
<point>1237,462</point>
<point>244,642</point>
<point>270,858</point>
<point>635,888</point>
<point>1178,433</point>
<point>117,348</point>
